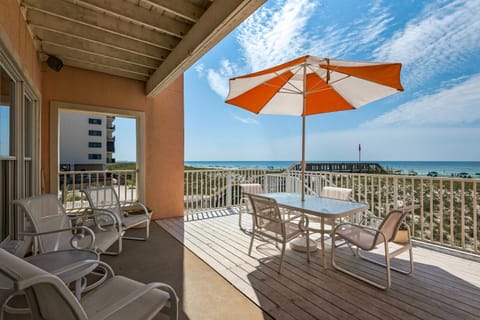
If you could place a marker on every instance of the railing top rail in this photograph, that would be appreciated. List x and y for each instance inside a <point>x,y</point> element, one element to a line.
<point>96,171</point>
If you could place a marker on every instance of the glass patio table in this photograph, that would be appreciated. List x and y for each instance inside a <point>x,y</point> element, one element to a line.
<point>56,260</point>
<point>324,208</point>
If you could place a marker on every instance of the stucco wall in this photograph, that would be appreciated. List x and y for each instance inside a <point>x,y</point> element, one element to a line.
<point>163,132</point>
<point>18,42</point>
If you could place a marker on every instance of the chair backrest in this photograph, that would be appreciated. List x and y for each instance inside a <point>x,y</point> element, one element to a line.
<point>252,188</point>
<point>391,224</point>
<point>266,212</point>
<point>47,295</point>
<point>104,197</point>
<point>46,213</point>
<point>336,193</point>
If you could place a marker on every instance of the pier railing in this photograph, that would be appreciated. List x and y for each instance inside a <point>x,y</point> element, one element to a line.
<point>448,213</point>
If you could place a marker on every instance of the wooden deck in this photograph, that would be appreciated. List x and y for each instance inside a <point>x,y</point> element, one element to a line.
<point>443,286</point>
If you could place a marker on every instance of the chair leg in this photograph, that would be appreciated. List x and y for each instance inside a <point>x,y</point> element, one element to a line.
<point>118,251</point>
<point>357,276</point>
<point>280,267</point>
<point>251,242</point>
<point>147,234</point>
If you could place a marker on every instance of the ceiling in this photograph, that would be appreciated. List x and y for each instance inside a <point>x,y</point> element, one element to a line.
<point>149,40</point>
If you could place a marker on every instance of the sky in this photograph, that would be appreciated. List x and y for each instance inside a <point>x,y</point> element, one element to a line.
<point>437,117</point>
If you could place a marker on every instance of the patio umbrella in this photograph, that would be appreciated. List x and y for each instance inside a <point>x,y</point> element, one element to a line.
<point>311,85</point>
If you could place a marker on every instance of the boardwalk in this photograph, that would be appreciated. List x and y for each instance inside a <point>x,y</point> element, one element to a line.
<point>443,286</point>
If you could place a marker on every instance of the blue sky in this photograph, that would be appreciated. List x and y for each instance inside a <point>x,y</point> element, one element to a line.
<point>437,117</point>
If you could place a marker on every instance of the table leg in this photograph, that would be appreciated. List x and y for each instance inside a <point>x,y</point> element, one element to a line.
<point>322,240</point>
<point>78,289</point>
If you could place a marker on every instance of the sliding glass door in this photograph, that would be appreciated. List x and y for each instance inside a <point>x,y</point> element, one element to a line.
<point>19,125</point>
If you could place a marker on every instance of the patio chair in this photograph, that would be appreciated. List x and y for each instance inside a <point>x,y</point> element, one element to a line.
<point>52,229</point>
<point>49,298</point>
<point>333,193</point>
<point>365,238</point>
<point>245,206</point>
<point>269,223</point>
<point>105,199</point>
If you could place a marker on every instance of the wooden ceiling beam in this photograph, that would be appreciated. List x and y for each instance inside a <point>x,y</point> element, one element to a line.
<point>41,20</point>
<point>100,68</point>
<point>220,18</point>
<point>183,9</point>
<point>81,55</point>
<point>137,14</point>
<point>101,21</point>
<point>67,40</point>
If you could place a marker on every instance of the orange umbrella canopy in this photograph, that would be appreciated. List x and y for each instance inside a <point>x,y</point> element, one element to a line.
<point>312,85</point>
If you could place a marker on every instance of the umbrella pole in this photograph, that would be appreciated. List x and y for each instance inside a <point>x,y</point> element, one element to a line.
<point>303,157</point>
<point>304,107</point>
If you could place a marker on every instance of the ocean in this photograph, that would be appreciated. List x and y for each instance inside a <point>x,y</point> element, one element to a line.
<point>443,168</point>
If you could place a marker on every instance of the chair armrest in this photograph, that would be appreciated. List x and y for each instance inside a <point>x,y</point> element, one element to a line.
<point>355,225</point>
<point>126,300</point>
<point>409,208</point>
<point>75,236</point>
<point>98,212</point>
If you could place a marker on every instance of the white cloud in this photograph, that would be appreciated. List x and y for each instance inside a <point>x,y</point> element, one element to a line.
<point>276,34</point>
<point>218,79</point>
<point>200,69</point>
<point>281,32</point>
<point>439,39</point>
<point>247,120</point>
<point>457,105</point>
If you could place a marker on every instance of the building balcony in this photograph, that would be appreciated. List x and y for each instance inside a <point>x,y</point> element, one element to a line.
<point>209,252</point>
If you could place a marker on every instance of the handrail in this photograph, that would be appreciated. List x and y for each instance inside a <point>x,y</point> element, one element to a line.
<point>448,210</point>
<point>71,183</point>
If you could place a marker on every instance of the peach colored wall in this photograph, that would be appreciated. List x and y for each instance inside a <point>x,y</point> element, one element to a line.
<point>18,41</point>
<point>163,132</point>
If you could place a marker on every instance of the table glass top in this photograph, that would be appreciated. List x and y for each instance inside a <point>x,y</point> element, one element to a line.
<point>317,205</point>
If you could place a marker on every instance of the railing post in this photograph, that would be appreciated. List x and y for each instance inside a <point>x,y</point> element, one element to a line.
<point>229,188</point>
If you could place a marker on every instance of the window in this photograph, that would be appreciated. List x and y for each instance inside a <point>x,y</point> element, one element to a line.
<point>94,121</point>
<point>94,144</point>
<point>97,133</point>
<point>94,156</point>
<point>6,114</point>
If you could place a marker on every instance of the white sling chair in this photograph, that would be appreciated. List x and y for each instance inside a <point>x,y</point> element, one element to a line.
<point>52,229</point>
<point>333,193</point>
<point>105,199</point>
<point>269,223</point>
<point>365,238</point>
<point>49,298</point>
<point>245,205</point>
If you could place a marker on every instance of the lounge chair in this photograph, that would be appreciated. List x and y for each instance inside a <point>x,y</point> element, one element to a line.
<point>365,238</point>
<point>49,298</point>
<point>269,223</point>
<point>105,199</point>
<point>52,229</point>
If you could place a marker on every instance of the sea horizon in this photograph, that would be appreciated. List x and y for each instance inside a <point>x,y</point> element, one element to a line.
<point>443,168</point>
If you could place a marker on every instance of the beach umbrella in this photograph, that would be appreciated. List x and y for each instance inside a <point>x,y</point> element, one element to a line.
<point>312,85</point>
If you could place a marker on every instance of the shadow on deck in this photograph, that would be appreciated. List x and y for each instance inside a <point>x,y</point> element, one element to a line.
<point>443,286</point>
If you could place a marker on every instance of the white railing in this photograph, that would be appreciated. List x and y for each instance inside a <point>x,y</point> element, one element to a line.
<point>71,183</point>
<point>213,189</point>
<point>449,207</point>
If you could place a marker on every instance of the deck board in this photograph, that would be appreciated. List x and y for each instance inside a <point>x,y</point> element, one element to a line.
<point>443,286</point>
